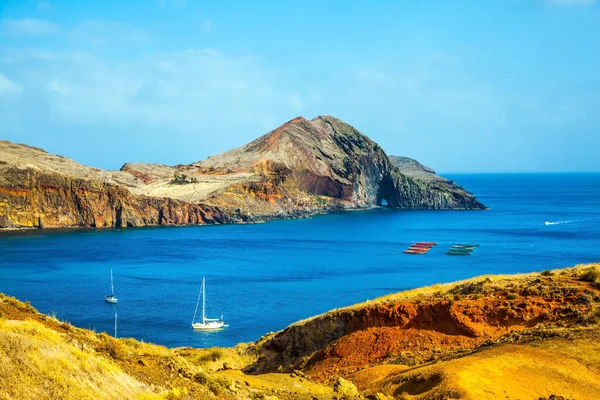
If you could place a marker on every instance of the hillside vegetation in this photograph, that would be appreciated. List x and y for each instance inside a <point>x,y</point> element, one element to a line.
<point>529,336</point>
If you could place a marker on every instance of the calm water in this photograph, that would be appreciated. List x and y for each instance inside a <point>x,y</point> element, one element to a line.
<point>263,277</point>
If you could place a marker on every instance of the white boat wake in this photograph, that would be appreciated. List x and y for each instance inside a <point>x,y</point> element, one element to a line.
<point>557,222</point>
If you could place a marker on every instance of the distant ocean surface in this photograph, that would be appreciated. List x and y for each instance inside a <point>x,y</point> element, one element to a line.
<point>263,277</point>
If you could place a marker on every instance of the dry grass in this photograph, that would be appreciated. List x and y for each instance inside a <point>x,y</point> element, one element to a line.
<point>212,359</point>
<point>44,358</point>
<point>36,362</point>
<point>567,367</point>
<point>586,272</point>
<point>433,291</point>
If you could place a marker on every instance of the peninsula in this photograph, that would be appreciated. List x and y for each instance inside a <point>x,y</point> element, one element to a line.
<point>303,167</point>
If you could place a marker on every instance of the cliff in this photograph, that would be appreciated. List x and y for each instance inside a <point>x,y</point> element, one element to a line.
<point>510,336</point>
<point>301,168</point>
<point>532,336</point>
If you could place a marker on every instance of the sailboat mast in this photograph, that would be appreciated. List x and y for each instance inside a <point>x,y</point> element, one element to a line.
<point>203,300</point>
<point>112,286</point>
<point>197,302</point>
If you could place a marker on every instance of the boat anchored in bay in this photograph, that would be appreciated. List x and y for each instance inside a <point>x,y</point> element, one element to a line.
<point>111,297</point>
<point>206,324</point>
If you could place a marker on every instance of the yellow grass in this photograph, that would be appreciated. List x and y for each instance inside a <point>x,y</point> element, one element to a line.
<point>441,289</point>
<point>43,358</point>
<point>37,363</point>
<point>570,368</point>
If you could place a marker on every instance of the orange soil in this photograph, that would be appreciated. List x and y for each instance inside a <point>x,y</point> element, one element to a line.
<point>433,330</point>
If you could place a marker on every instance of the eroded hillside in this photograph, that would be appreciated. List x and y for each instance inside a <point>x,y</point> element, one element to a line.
<point>530,336</point>
<point>301,168</point>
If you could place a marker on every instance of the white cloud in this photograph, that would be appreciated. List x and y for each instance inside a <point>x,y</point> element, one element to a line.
<point>175,91</point>
<point>8,88</point>
<point>58,86</point>
<point>100,33</point>
<point>28,26</point>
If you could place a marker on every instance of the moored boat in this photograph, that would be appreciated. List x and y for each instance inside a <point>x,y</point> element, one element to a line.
<point>421,245</point>
<point>463,247</point>
<point>415,251</point>
<point>458,253</point>
<point>454,248</point>
<point>111,297</point>
<point>206,324</point>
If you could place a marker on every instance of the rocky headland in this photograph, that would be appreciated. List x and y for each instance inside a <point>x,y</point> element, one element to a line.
<point>530,336</point>
<point>302,168</point>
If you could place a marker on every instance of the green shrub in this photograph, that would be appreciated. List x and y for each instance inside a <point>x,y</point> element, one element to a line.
<point>547,272</point>
<point>218,385</point>
<point>586,299</point>
<point>201,378</point>
<point>212,355</point>
<point>512,296</point>
<point>591,275</point>
<point>183,180</point>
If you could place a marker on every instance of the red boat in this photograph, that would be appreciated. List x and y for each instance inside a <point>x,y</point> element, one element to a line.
<point>414,251</point>
<point>420,248</point>
<point>427,243</point>
<point>421,245</point>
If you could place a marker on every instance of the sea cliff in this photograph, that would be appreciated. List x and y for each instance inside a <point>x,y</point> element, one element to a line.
<point>301,168</point>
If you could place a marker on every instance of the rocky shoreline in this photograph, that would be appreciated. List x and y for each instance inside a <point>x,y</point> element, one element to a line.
<point>300,169</point>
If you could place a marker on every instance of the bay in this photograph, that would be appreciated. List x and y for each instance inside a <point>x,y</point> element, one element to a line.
<point>263,277</point>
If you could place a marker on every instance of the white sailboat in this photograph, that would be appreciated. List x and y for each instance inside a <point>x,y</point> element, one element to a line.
<point>207,324</point>
<point>111,297</point>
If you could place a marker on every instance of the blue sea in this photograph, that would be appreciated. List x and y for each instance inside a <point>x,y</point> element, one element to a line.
<point>263,277</point>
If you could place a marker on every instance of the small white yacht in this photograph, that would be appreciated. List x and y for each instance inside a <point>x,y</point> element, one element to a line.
<point>206,324</point>
<point>111,297</point>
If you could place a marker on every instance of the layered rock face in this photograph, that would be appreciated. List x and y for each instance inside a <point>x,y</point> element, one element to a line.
<point>301,168</point>
<point>30,198</point>
<point>432,324</point>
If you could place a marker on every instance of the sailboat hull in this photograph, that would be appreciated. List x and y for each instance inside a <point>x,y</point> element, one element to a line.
<point>110,299</point>
<point>208,326</point>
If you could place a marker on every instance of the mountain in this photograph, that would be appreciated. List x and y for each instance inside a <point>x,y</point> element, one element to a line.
<point>301,168</point>
<point>529,336</point>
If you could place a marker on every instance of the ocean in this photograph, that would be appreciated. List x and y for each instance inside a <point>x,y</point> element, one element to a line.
<point>263,277</point>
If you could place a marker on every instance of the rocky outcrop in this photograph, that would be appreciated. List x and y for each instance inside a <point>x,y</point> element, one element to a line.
<point>413,329</point>
<point>414,169</point>
<point>301,168</point>
<point>30,198</point>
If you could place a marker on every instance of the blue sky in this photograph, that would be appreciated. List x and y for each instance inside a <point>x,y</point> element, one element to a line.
<point>462,86</point>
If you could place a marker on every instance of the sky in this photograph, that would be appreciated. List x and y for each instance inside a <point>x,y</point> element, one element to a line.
<point>462,86</point>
